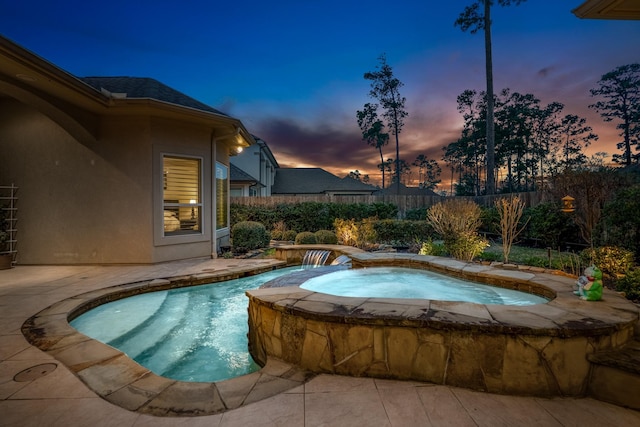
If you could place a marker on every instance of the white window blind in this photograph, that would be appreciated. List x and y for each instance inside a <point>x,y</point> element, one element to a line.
<point>182,195</point>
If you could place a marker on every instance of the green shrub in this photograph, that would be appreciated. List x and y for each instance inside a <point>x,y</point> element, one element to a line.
<point>417,214</point>
<point>306,238</point>
<point>630,284</point>
<point>552,227</point>
<point>490,256</point>
<point>490,220</point>
<point>432,248</point>
<point>355,233</point>
<point>289,235</point>
<point>249,235</point>
<point>466,246</point>
<point>310,216</point>
<point>403,232</point>
<point>620,221</point>
<point>276,235</point>
<point>346,231</point>
<point>612,260</point>
<point>327,237</point>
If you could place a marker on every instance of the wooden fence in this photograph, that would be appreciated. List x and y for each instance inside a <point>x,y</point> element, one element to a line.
<point>404,203</point>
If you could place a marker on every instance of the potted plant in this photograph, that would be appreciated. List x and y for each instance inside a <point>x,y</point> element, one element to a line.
<point>6,257</point>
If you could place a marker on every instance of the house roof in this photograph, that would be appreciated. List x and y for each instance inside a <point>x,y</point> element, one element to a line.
<point>238,175</point>
<point>407,191</point>
<point>77,103</point>
<point>315,181</point>
<point>144,87</point>
<point>266,150</point>
<point>608,9</point>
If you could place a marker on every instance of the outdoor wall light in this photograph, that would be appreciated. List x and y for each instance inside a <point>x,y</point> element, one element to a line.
<point>567,204</point>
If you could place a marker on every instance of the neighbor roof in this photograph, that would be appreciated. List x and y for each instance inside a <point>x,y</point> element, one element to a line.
<point>314,181</point>
<point>238,175</point>
<point>407,191</point>
<point>145,87</point>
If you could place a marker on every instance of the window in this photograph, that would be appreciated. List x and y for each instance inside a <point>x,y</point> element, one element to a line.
<point>237,192</point>
<point>222,196</point>
<point>182,195</point>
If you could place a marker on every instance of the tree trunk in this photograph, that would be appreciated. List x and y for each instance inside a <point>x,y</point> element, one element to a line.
<point>491,187</point>
<point>381,165</point>
<point>397,163</point>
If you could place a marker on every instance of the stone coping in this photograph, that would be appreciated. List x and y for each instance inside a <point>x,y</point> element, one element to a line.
<point>118,379</point>
<point>565,315</point>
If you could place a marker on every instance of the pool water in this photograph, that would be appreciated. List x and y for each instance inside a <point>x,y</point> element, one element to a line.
<point>189,334</point>
<point>399,282</point>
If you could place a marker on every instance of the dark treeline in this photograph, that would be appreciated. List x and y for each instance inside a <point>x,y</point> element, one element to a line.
<point>532,143</point>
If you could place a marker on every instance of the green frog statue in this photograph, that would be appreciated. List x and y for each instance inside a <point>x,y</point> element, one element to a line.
<point>589,286</point>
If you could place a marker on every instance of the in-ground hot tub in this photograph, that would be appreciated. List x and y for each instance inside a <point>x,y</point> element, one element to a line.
<point>537,349</point>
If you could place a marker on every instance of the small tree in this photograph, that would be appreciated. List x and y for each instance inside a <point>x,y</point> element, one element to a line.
<point>373,130</point>
<point>575,136</point>
<point>428,172</point>
<point>510,210</point>
<point>386,89</point>
<point>473,20</point>
<point>621,90</point>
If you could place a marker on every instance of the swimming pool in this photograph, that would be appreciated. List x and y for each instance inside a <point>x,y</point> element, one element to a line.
<point>194,334</point>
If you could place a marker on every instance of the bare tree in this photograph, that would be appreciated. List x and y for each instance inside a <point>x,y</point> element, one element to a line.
<point>510,210</point>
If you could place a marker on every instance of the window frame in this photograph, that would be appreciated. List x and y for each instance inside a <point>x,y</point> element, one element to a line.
<point>224,197</point>
<point>160,237</point>
<point>176,206</point>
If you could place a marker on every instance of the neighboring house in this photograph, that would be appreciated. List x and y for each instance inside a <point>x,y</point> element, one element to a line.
<point>392,190</point>
<point>258,163</point>
<point>112,170</point>
<point>316,181</point>
<point>242,184</point>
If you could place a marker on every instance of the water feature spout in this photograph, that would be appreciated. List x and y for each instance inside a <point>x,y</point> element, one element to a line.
<point>315,258</point>
<point>341,260</point>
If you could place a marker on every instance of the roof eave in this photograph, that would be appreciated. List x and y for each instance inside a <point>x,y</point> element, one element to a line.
<point>608,9</point>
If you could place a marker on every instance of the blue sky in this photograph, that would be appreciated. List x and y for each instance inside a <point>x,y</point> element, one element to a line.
<point>292,71</point>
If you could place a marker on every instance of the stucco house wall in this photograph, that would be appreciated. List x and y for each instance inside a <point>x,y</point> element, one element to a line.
<point>90,168</point>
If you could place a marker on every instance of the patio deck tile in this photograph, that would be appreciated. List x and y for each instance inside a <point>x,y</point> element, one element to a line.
<point>62,399</point>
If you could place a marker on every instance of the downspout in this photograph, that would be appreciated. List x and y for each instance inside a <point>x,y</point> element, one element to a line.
<point>260,167</point>
<point>214,233</point>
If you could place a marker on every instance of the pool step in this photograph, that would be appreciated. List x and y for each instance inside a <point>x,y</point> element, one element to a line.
<point>615,375</point>
<point>181,340</point>
<point>154,329</point>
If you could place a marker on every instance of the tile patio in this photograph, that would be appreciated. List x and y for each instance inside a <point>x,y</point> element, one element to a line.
<point>62,399</point>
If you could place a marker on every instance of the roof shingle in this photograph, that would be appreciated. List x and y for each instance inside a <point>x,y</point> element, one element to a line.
<point>314,181</point>
<point>145,87</point>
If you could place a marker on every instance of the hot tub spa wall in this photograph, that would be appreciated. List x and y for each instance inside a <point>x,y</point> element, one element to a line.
<point>471,358</point>
<point>439,342</point>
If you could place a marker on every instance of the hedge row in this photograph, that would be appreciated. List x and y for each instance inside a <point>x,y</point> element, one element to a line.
<point>310,216</point>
